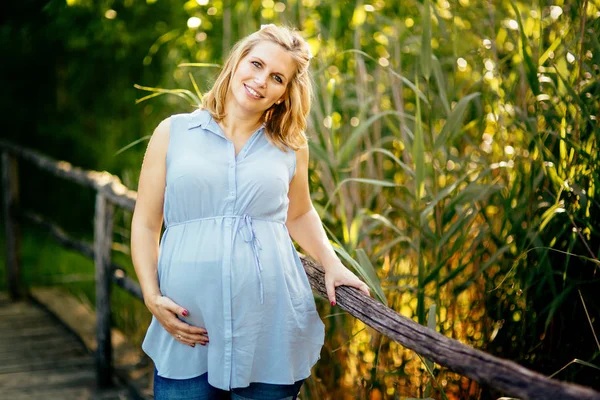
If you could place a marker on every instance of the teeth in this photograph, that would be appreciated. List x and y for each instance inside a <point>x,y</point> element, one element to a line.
<point>252,91</point>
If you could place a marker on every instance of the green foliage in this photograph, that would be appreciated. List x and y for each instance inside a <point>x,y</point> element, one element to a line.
<point>453,157</point>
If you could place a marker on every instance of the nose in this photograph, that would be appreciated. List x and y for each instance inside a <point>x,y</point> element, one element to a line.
<point>260,80</point>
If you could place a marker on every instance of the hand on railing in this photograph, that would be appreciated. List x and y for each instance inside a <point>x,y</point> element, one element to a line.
<point>166,311</point>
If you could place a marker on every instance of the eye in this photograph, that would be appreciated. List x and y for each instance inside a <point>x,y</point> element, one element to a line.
<point>278,78</point>
<point>256,64</point>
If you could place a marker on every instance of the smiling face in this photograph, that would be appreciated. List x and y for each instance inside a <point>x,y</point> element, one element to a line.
<point>261,78</point>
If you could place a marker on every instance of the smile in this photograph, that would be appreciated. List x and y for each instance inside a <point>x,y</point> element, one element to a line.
<point>253,93</point>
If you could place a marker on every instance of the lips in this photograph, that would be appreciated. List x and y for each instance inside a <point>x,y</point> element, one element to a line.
<point>253,93</point>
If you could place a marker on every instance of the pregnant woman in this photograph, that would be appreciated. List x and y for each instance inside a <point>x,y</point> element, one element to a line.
<point>233,312</point>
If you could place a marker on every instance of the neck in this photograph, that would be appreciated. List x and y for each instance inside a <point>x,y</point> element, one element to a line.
<point>238,123</point>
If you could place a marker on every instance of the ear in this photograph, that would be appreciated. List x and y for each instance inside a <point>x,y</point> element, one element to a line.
<point>281,99</point>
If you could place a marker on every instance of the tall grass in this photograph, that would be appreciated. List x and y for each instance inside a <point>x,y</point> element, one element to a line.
<point>446,185</point>
<point>453,152</point>
<point>454,163</point>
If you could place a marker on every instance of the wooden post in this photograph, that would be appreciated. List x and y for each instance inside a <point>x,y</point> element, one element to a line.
<point>12,231</point>
<point>103,233</point>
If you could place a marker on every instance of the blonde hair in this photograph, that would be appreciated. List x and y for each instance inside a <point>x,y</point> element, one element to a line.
<point>285,123</point>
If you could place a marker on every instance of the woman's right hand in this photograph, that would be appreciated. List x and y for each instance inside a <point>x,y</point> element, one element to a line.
<point>166,311</point>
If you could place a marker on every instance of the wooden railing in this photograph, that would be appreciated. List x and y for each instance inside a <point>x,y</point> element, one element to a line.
<point>503,375</point>
<point>109,192</point>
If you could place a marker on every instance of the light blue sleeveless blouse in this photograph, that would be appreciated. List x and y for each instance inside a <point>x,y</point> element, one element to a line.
<point>227,257</point>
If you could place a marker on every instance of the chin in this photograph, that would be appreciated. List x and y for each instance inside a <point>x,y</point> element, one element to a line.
<point>255,106</point>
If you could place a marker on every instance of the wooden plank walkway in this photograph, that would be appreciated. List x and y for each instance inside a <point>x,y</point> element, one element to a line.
<point>41,359</point>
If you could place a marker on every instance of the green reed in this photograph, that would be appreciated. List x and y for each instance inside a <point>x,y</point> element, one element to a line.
<point>427,172</point>
<point>454,164</point>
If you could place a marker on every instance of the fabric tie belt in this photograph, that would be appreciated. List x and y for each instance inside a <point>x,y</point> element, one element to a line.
<point>242,222</point>
<point>255,243</point>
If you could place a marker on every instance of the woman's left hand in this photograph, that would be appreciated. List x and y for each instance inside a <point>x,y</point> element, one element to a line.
<point>336,275</point>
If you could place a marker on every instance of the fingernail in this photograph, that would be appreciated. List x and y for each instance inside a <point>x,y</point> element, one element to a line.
<point>184,313</point>
<point>193,345</point>
<point>333,303</point>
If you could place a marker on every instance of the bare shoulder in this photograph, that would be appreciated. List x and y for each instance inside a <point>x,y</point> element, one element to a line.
<point>160,138</point>
<point>156,151</point>
<point>302,155</point>
<point>162,131</point>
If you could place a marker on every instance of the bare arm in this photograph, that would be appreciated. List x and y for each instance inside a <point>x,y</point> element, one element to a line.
<point>306,229</point>
<point>145,235</point>
<point>148,214</point>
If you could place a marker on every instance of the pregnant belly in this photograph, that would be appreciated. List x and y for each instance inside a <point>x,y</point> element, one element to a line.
<point>196,286</point>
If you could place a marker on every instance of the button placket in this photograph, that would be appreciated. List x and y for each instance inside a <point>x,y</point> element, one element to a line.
<point>228,311</point>
<point>232,178</point>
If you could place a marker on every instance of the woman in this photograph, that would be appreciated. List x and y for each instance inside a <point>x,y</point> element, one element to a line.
<point>231,180</point>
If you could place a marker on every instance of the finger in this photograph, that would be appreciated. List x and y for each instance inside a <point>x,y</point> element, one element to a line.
<point>365,289</point>
<point>176,325</point>
<point>330,287</point>
<point>197,338</point>
<point>175,308</point>
<point>196,330</point>
<point>184,339</point>
<point>360,285</point>
<point>195,333</point>
<point>188,339</point>
<point>189,333</point>
<point>202,340</point>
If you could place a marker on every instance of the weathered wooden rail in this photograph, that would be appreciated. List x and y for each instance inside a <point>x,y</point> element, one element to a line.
<point>503,375</point>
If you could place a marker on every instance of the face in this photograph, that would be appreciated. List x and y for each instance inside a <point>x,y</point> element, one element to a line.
<point>261,78</point>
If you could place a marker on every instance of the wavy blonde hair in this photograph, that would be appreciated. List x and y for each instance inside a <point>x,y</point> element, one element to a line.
<point>285,123</point>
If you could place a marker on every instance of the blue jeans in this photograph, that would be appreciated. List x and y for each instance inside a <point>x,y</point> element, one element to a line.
<point>198,388</point>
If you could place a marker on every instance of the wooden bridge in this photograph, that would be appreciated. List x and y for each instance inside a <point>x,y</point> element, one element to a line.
<point>504,376</point>
<point>41,359</point>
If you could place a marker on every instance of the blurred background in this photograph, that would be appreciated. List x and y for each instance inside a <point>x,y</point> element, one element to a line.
<point>454,151</point>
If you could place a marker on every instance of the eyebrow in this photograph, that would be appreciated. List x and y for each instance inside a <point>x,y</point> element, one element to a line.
<point>276,73</point>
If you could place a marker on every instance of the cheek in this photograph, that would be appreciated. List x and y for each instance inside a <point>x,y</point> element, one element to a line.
<point>280,91</point>
<point>242,72</point>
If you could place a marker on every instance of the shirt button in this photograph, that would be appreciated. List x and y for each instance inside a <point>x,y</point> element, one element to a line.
<point>231,166</point>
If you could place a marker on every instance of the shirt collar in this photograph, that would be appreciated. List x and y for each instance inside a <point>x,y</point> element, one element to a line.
<point>202,118</point>
<point>199,118</point>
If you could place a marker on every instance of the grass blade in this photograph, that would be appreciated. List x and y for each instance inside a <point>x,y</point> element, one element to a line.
<point>418,153</point>
<point>589,319</point>
<point>426,41</point>
<point>391,155</point>
<point>374,182</point>
<point>368,272</point>
<point>441,84</point>
<point>196,89</point>
<point>530,66</point>
<point>130,145</point>
<point>430,372</point>
<point>576,361</point>
<point>183,93</point>
<point>350,146</point>
<point>454,121</point>
<point>428,363</point>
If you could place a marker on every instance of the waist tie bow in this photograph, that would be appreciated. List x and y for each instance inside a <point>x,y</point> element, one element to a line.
<point>250,237</point>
